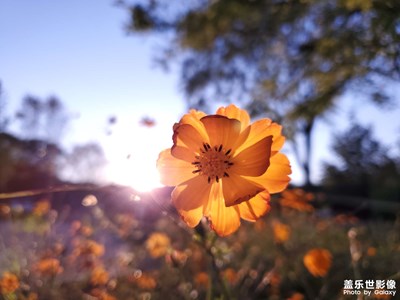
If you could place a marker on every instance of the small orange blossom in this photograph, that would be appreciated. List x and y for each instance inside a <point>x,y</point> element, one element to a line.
<point>230,275</point>
<point>99,276</point>
<point>371,251</point>
<point>202,279</point>
<point>49,266</point>
<point>145,281</point>
<point>297,199</point>
<point>158,244</point>
<point>224,168</point>
<point>41,208</point>
<point>8,283</point>
<point>32,296</point>
<point>296,296</point>
<point>100,294</point>
<point>90,248</point>
<point>281,232</point>
<point>318,262</point>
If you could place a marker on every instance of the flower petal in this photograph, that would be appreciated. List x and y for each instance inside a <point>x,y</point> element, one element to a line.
<point>278,139</point>
<point>191,217</point>
<point>261,129</point>
<point>254,160</point>
<point>173,171</point>
<point>188,136</point>
<point>221,130</point>
<point>256,207</point>
<point>193,119</point>
<point>237,189</point>
<point>233,112</point>
<point>183,153</point>
<point>276,178</point>
<point>191,194</point>
<point>223,220</point>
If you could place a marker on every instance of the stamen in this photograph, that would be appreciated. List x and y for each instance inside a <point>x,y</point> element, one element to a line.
<point>212,162</point>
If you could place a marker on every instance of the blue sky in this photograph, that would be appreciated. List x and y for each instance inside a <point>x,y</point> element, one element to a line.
<point>80,51</point>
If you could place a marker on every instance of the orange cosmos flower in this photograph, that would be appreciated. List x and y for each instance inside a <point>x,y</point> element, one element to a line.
<point>202,280</point>
<point>224,168</point>
<point>4,210</point>
<point>230,275</point>
<point>371,251</point>
<point>49,267</point>
<point>100,294</point>
<point>281,232</point>
<point>158,244</point>
<point>32,296</point>
<point>41,208</point>
<point>8,283</point>
<point>90,248</point>
<point>297,199</point>
<point>296,296</point>
<point>99,276</point>
<point>318,262</point>
<point>145,281</point>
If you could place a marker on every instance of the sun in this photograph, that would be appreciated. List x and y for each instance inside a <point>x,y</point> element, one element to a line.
<point>133,155</point>
<point>138,172</point>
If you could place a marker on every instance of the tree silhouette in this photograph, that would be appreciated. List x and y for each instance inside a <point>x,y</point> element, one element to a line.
<point>34,159</point>
<point>84,163</point>
<point>4,120</point>
<point>27,164</point>
<point>365,167</point>
<point>42,119</point>
<point>290,59</point>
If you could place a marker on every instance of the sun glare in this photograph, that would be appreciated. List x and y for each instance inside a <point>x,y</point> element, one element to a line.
<point>138,172</point>
<point>133,156</point>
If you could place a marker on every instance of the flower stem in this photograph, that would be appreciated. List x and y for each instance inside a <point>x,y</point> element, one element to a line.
<point>208,243</point>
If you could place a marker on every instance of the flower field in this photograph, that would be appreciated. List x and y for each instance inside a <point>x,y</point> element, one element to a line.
<point>113,243</point>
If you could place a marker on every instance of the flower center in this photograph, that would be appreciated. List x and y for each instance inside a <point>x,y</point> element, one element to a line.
<point>213,162</point>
